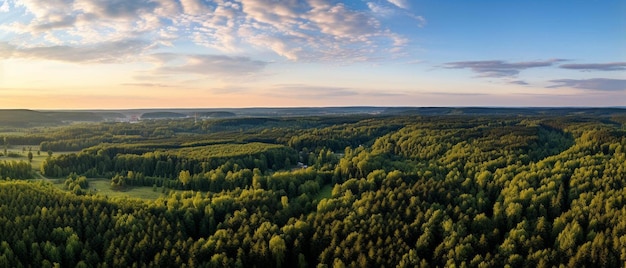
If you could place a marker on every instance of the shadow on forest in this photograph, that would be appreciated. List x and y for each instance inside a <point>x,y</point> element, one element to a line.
<point>551,141</point>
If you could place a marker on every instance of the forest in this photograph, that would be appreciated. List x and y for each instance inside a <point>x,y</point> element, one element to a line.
<point>403,188</point>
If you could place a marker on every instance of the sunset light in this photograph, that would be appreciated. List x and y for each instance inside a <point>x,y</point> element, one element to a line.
<point>262,53</point>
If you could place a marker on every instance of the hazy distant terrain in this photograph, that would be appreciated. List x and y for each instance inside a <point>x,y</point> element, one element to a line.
<point>28,118</point>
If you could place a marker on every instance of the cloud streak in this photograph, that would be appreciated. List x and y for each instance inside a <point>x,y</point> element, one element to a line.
<point>519,82</point>
<point>400,3</point>
<point>106,52</point>
<point>599,84</point>
<point>302,91</point>
<point>211,65</point>
<point>153,85</point>
<point>499,68</point>
<point>421,21</point>
<point>611,66</point>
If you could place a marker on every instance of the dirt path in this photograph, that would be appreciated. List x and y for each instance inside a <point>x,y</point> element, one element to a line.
<point>39,176</point>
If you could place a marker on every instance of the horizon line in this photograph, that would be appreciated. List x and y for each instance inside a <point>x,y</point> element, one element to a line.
<point>311,107</point>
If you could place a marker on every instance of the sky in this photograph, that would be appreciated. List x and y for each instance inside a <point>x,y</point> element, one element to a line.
<point>118,54</point>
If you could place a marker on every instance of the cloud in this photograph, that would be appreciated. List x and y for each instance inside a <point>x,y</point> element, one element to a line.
<point>380,9</point>
<point>499,68</point>
<point>519,82</point>
<point>390,10</point>
<point>231,90</point>
<point>116,8</point>
<point>63,22</point>
<point>193,7</point>
<point>114,15</point>
<point>107,52</point>
<point>600,84</point>
<point>5,6</point>
<point>340,22</point>
<point>273,12</point>
<point>224,66</point>
<point>421,21</point>
<point>317,30</point>
<point>612,66</point>
<point>146,85</point>
<point>303,91</point>
<point>308,30</point>
<point>400,3</point>
<point>462,94</point>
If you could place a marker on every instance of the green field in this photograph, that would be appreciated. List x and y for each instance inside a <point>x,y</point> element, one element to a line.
<point>102,186</point>
<point>12,133</point>
<point>38,159</point>
<point>23,155</point>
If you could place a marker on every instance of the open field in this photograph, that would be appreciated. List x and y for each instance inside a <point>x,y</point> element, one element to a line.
<point>22,152</point>
<point>38,159</point>
<point>102,186</point>
<point>12,132</point>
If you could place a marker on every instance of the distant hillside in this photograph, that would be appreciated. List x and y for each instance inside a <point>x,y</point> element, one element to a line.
<point>556,111</point>
<point>216,114</point>
<point>111,115</point>
<point>25,118</point>
<point>30,118</point>
<point>76,116</point>
<point>162,115</point>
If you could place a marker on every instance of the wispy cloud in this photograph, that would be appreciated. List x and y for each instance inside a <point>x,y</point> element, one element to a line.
<point>303,91</point>
<point>601,84</point>
<point>380,10</point>
<point>155,85</point>
<point>5,6</point>
<point>390,9</point>
<point>421,21</point>
<point>212,65</point>
<point>499,68</point>
<point>63,22</point>
<point>519,82</point>
<point>400,3</point>
<point>105,52</point>
<point>310,30</point>
<point>117,8</point>
<point>611,66</point>
<point>89,20</point>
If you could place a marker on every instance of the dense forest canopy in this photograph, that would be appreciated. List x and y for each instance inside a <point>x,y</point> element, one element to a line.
<point>406,187</point>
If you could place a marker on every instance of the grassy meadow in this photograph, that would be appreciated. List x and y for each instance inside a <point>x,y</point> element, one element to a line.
<point>102,186</point>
